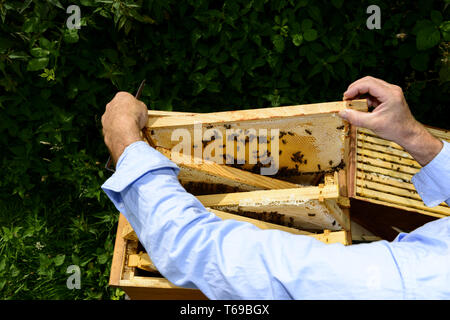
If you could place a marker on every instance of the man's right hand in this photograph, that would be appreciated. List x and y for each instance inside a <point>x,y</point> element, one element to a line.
<point>391,119</point>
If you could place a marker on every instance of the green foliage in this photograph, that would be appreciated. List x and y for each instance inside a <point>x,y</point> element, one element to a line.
<point>196,56</point>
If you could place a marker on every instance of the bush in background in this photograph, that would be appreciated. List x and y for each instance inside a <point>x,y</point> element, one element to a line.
<point>197,56</point>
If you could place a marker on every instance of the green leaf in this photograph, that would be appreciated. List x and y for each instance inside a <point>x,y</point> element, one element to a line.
<point>420,62</point>
<point>59,259</point>
<point>2,264</point>
<point>56,3</point>
<point>39,52</point>
<point>71,35</point>
<point>88,3</point>
<point>45,43</point>
<point>427,38</point>
<point>421,24</point>
<point>37,64</point>
<point>302,3</point>
<point>337,3</point>
<point>436,17</point>
<point>445,28</point>
<point>103,258</point>
<point>314,12</point>
<point>18,55</point>
<point>307,24</point>
<point>297,39</point>
<point>31,25</point>
<point>310,35</point>
<point>278,42</point>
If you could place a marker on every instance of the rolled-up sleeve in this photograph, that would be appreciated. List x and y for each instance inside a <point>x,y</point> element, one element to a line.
<point>231,259</point>
<point>432,182</point>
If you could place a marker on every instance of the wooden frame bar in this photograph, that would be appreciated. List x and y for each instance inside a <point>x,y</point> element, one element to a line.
<point>257,114</point>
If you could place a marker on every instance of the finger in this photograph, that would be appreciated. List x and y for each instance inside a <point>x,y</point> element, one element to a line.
<point>370,86</point>
<point>357,118</point>
<point>364,79</point>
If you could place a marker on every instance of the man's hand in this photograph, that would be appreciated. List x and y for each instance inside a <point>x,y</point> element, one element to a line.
<point>122,122</point>
<point>391,119</point>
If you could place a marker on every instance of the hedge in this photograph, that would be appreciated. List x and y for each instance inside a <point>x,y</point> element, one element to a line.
<point>197,56</point>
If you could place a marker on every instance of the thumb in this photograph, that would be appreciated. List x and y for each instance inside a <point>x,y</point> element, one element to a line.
<point>357,118</point>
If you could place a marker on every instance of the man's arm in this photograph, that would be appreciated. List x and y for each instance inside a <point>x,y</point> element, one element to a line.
<point>230,259</point>
<point>391,119</point>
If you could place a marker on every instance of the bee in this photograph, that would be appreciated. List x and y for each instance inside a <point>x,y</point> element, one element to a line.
<point>308,132</point>
<point>340,128</point>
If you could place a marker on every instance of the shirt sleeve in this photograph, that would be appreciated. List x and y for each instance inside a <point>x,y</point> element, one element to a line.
<point>432,182</point>
<point>231,259</point>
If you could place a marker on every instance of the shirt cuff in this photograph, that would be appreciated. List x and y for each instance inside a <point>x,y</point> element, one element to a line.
<point>432,182</point>
<point>136,160</point>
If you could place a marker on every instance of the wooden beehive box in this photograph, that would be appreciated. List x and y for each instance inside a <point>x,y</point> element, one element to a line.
<point>308,194</point>
<point>383,199</point>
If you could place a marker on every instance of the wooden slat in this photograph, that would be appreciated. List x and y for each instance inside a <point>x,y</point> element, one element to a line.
<point>437,132</point>
<point>141,261</point>
<point>329,237</point>
<point>385,172</point>
<point>258,223</point>
<point>384,149</point>
<point>388,189</point>
<point>350,170</point>
<point>284,195</point>
<point>379,141</point>
<point>128,232</point>
<point>388,165</point>
<point>401,201</point>
<point>401,207</point>
<point>390,186</point>
<point>163,113</point>
<point>326,237</point>
<point>388,157</point>
<point>341,216</point>
<point>119,254</point>
<point>228,175</point>
<point>257,114</point>
<point>367,176</point>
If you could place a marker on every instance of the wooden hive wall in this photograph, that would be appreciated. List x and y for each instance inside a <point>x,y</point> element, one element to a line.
<point>384,171</point>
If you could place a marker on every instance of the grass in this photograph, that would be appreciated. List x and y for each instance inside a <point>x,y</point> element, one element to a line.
<point>39,243</point>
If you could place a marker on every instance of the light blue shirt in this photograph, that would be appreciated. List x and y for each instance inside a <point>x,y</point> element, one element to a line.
<point>229,259</point>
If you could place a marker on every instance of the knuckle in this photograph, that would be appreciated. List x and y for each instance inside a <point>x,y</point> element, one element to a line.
<point>122,94</point>
<point>397,92</point>
<point>397,89</point>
